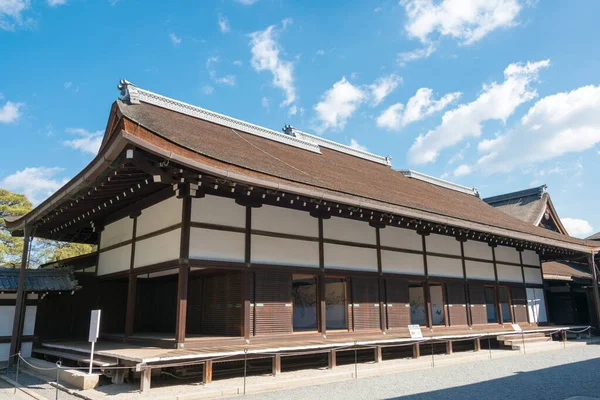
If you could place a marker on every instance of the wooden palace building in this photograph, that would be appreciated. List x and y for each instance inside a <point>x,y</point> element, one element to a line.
<point>217,237</point>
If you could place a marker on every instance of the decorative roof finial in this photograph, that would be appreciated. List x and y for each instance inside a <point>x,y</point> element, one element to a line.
<point>288,130</point>
<point>129,93</point>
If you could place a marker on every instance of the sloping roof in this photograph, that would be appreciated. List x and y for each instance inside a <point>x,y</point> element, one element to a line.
<point>595,236</point>
<point>38,280</point>
<point>242,152</point>
<point>568,270</point>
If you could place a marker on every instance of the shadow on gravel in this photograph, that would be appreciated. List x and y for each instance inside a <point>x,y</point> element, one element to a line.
<point>559,382</point>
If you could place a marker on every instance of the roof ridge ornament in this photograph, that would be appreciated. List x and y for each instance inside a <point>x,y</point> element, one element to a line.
<point>129,92</point>
<point>409,173</point>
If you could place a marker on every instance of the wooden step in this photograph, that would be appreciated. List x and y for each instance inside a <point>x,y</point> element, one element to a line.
<point>81,359</point>
<point>513,336</point>
<point>527,341</point>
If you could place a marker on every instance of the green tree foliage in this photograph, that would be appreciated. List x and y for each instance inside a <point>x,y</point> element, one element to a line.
<point>42,250</point>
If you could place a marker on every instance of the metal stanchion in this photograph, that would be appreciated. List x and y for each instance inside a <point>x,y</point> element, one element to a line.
<point>17,374</point>
<point>432,357</point>
<point>489,346</point>
<point>355,361</point>
<point>523,340</point>
<point>58,364</point>
<point>245,362</point>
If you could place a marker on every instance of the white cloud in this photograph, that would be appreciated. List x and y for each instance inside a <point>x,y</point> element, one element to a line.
<point>355,145</point>
<point>36,183</point>
<point>265,57</point>
<point>207,89</point>
<point>228,80</point>
<point>286,22</point>
<point>11,13</point>
<point>408,56</point>
<point>238,62</point>
<point>382,87</point>
<point>87,142</point>
<point>54,3</point>
<point>420,106</point>
<point>224,23</point>
<point>377,9</point>
<point>68,84</point>
<point>338,104</point>
<point>246,2</point>
<point>561,123</point>
<point>577,227</point>
<point>320,52</point>
<point>459,156</point>
<point>174,39</point>
<point>265,103</point>
<point>10,112</point>
<point>462,170</point>
<point>465,20</point>
<point>495,102</point>
<point>293,110</point>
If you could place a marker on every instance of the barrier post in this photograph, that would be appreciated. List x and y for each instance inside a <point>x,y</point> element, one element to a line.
<point>432,357</point>
<point>58,364</point>
<point>17,374</point>
<point>490,346</point>
<point>355,361</point>
<point>245,361</point>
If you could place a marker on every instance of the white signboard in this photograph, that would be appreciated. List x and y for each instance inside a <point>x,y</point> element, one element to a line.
<point>516,327</point>
<point>415,332</point>
<point>94,326</point>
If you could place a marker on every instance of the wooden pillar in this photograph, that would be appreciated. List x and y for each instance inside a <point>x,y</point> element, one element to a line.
<point>207,371</point>
<point>276,364</point>
<point>380,282</point>
<point>19,317</point>
<point>592,265</point>
<point>184,268</point>
<point>514,319</point>
<point>477,344</point>
<point>563,336</point>
<point>332,359</point>
<point>378,354</point>
<point>497,305</point>
<point>416,350</point>
<point>466,282</point>
<point>449,347</point>
<point>132,286</point>
<point>145,380</point>
<point>426,285</point>
<point>322,311</point>
<point>246,281</point>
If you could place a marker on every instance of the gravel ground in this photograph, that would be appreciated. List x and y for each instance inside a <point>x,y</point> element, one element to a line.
<point>39,387</point>
<point>545,376</point>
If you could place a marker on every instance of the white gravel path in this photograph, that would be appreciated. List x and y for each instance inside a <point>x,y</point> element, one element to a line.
<point>549,375</point>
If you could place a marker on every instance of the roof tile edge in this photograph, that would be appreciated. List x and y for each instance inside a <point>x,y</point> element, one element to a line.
<point>439,182</point>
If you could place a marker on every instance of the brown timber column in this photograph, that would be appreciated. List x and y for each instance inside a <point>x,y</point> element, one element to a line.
<point>466,281</point>
<point>246,276</point>
<point>381,281</point>
<point>426,285</point>
<point>184,267</point>
<point>524,287</point>
<point>498,308</point>
<point>17,331</point>
<point>132,286</point>
<point>595,284</point>
<point>321,282</point>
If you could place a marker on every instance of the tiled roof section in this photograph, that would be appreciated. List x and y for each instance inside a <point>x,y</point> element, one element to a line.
<point>38,280</point>
<point>595,236</point>
<point>334,171</point>
<point>566,269</point>
<point>526,205</point>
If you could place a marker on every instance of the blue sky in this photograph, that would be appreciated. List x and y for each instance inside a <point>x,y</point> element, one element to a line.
<point>501,94</point>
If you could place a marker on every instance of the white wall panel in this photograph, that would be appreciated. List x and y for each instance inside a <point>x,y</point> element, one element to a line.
<point>29,323</point>
<point>509,273</point>
<point>402,263</point>
<point>402,238</point>
<point>480,270</point>
<point>26,348</point>
<point>536,305</point>
<point>348,230</point>
<point>349,257</point>
<point>530,257</point>
<point>114,260</point>
<point>532,275</point>
<point>8,296</point>
<point>158,249</point>
<point>117,232</point>
<point>7,315</point>
<point>207,244</point>
<point>442,266</point>
<point>4,351</point>
<point>284,220</point>
<point>218,210</point>
<point>161,215</point>
<point>442,244</point>
<point>507,254</point>
<point>478,250</point>
<point>270,250</point>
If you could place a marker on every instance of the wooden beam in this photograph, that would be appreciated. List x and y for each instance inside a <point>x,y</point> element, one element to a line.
<point>246,275</point>
<point>184,269</point>
<point>426,286</point>
<point>276,364</point>
<point>332,359</point>
<point>416,350</point>
<point>449,347</point>
<point>378,354</point>
<point>145,380</point>
<point>466,283</point>
<point>322,294</point>
<point>132,286</point>
<point>496,292</point>
<point>207,372</point>
<point>380,282</point>
<point>19,317</point>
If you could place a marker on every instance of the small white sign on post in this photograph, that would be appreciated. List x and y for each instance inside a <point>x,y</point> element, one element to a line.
<point>94,332</point>
<point>415,332</point>
<point>516,327</point>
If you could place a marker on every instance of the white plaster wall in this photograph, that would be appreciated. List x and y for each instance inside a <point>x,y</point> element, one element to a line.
<point>7,315</point>
<point>157,249</point>
<point>509,273</point>
<point>532,275</point>
<point>350,257</point>
<point>8,296</point>
<point>4,350</point>
<point>284,220</point>
<point>530,257</point>
<point>114,260</point>
<point>29,323</point>
<point>478,250</point>
<point>207,244</point>
<point>441,266</point>
<point>168,272</point>
<point>401,238</point>
<point>507,254</point>
<point>219,211</point>
<point>348,230</point>
<point>32,296</point>
<point>536,305</point>
<point>161,215</point>
<point>117,232</point>
<point>402,263</point>
<point>442,244</point>
<point>480,270</point>
<point>26,349</point>
<point>270,250</point>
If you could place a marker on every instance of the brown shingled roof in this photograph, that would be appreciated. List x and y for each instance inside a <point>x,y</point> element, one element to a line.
<point>566,269</point>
